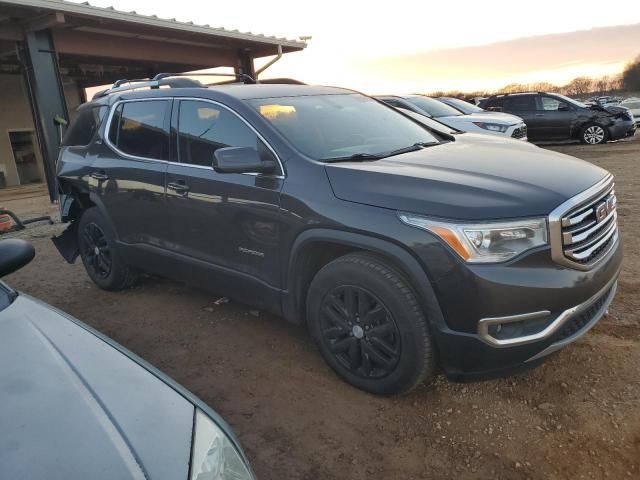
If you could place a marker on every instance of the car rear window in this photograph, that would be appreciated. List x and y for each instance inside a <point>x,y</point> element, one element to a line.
<point>84,127</point>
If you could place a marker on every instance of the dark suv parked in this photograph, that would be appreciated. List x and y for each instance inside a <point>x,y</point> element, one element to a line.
<point>554,117</point>
<point>400,248</point>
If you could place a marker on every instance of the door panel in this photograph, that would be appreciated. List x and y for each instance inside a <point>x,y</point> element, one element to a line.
<point>554,123</point>
<point>229,220</point>
<point>524,106</point>
<point>130,187</point>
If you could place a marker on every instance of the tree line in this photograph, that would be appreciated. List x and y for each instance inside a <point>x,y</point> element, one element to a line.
<point>580,87</point>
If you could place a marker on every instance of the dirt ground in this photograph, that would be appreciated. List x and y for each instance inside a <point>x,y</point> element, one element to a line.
<point>577,416</point>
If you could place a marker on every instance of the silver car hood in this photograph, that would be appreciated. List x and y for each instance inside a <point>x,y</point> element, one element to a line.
<point>74,407</point>
<point>481,117</point>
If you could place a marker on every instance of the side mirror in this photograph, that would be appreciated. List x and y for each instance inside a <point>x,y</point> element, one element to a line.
<point>563,107</point>
<point>241,160</point>
<point>14,254</point>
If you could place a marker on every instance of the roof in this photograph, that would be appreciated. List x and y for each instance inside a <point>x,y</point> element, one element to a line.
<point>89,11</point>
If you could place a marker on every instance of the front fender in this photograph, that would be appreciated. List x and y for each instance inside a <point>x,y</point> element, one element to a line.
<point>398,256</point>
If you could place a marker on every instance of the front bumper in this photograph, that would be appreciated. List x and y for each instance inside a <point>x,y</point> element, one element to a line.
<point>568,302</point>
<point>622,129</point>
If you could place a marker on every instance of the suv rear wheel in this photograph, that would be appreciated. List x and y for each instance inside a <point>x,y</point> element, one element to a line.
<point>104,265</point>
<point>368,325</point>
<point>594,134</point>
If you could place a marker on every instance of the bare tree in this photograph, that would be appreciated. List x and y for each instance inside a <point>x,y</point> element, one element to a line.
<point>579,86</point>
<point>630,78</point>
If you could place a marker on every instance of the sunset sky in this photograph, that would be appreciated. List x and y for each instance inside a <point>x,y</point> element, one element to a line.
<point>419,46</point>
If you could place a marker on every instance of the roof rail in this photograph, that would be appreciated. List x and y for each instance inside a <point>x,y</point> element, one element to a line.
<point>173,80</point>
<point>239,76</point>
<point>514,93</point>
<point>125,85</point>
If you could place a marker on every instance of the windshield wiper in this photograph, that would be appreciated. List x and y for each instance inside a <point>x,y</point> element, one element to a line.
<point>356,157</point>
<point>410,148</point>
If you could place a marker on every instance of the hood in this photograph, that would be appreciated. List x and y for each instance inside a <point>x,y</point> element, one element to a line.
<point>612,109</point>
<point>104,416</point>
<point>469,179</point>
<point>505,119</point>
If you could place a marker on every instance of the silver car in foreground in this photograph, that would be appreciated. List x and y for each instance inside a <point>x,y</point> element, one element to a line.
<point>76,405</point>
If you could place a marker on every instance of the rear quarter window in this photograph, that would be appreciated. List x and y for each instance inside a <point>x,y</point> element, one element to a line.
<point>492,103</point>
<point>84,127</point>
<point>140,128</point>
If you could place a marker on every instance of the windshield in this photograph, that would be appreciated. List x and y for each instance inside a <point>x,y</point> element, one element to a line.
<point>330,127</point>
<point>433,107</point>
<point>464,107</point>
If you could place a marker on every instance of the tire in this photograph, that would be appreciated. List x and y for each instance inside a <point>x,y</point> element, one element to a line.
<point>99,254</point>
<point>351,298</point>
<point>594,134</point>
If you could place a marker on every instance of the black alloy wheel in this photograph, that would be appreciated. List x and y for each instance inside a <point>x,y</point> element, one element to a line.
<point>360,332</point>
<point>96,250</point>
<point>369,326</point>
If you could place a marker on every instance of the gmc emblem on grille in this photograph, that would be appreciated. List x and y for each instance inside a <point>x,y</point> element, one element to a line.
<point>605,208</point>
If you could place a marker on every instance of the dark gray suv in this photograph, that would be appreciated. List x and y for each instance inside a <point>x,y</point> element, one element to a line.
<point>403,249</point>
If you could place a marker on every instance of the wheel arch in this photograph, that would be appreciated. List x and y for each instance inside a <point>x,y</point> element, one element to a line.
<point>75,200</point>
<point>316,247</point>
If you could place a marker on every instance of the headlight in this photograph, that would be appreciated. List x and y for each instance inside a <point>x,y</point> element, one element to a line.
<point>492,127</point>
<point>485,242</point>
<point>214,457</point>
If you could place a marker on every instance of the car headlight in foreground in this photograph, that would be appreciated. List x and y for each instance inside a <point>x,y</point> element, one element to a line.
<point>485,242</point>
<point>214,456</point>
<point>492,127</point>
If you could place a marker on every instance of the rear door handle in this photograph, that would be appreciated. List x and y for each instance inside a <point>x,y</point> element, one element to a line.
<point>539,114</point>
<point>178,187</point>
<point>101,176</point>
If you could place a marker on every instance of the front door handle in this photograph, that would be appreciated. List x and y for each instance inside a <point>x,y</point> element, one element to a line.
<point>539,114</point>
<point>100,176</point>
<point>178,187</point>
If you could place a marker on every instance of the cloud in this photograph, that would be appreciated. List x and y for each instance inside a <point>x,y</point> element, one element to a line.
<point>595,51</point>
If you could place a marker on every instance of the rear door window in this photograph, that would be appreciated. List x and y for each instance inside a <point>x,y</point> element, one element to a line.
<point>520,103</point>
<point>141,129</point>
<point>85,126</point>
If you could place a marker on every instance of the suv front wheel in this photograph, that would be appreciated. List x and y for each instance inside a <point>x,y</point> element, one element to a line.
<point>369,326</point>
<point>101,260</point>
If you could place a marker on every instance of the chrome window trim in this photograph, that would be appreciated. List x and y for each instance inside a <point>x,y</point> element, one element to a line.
<point>107,129</point>
<point>555,224</point>
<point>113,108</point>
<point>251,127</point>
<point>560,320</point>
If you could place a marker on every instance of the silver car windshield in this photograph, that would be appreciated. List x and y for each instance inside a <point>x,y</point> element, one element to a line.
<point>464,107</point>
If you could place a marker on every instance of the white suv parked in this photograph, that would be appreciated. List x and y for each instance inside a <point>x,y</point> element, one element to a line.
<point>492,123</point>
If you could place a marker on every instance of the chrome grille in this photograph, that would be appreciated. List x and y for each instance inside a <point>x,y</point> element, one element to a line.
<point>583,231</point>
